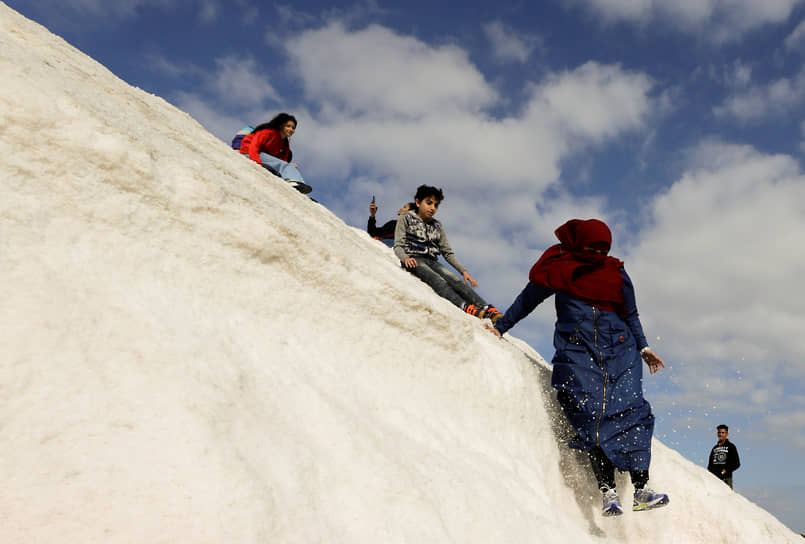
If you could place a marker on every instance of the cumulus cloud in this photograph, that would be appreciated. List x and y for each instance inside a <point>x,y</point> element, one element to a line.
<point>507,44</point>
<point>713,229</point>
<point>233,82</point>
<point>717,270</point>
<point>239,80</point>
<point>378,70</point>
<point>595,101</point>
<point>718,20</point>
<point>405,109</point>
<point>759,101</point>
<point>796,40</point>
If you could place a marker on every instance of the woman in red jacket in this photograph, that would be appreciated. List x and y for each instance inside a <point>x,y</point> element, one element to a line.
<point>273,139</point>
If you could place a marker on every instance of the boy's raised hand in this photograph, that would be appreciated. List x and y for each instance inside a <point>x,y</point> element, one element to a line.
<point>372,209</point>
<point>469,279</point>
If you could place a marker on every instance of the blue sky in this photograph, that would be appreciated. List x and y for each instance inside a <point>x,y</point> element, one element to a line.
<point>682,124</point>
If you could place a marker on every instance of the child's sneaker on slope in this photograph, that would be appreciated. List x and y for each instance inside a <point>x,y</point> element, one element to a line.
<point>491,313</point>
<point>646,499</point>
<point>612,504</point>
<point>300,186</point>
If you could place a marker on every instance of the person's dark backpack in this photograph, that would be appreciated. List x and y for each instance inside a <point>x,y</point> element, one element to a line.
<point>240,135</point>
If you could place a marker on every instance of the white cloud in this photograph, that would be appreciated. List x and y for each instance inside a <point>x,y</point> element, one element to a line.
<point>796,40</point>
<point>596,101</point>
<point>378,70</point>
<point>736,17</point>
<point>235,81</point>
<point>718,20</point>
<point>408,110</point>
<point>759,101</point>
<point>714,230</point>
<point>435,144</point>
<point>507,44</point>
<point>239,80</point>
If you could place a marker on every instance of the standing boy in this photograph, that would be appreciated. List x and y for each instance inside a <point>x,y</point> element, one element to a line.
<point>724,458</point>
<point>419,239</point>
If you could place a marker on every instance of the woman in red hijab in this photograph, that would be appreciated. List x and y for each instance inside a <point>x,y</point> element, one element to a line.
<point>600,347</point>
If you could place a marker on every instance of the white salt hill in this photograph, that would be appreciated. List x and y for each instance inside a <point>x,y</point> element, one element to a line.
<point>192,351</point>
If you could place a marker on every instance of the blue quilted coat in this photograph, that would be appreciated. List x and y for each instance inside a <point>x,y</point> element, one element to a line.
<point>597,372</point>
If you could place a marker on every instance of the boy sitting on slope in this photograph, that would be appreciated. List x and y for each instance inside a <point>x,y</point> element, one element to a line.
<point>419,239</point>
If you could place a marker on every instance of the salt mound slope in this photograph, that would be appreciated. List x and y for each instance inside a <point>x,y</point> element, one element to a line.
<point>194,352</point>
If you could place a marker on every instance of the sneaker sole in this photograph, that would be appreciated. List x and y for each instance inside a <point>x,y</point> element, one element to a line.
<point>651,505</point>
<point>612,511</point>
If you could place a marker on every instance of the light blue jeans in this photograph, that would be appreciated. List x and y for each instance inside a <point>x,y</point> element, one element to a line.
<point>444,282</point>
<point>283,169</point>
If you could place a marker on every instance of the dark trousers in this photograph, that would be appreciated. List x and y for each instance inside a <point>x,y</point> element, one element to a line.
<point>444,282</point>
<point>604,471</point>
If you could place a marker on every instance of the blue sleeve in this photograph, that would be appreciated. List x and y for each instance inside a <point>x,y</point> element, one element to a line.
<point>630,307</point>
<point>529,298</point>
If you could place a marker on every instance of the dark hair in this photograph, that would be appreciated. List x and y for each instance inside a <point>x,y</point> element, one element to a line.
<point>277,122</point>
<point>424,191</point>
<point>412,205</point>
<point>722,426</point>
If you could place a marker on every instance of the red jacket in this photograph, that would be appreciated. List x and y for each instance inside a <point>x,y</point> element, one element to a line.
<point>266,141</point>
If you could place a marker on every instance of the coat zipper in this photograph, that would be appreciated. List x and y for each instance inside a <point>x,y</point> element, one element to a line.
<point>606,377</point>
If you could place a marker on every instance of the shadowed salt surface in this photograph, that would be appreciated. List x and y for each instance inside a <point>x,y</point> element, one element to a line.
<point>194,352</point>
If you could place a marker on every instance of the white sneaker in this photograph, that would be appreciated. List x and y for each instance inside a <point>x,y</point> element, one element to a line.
<point>646,499</point>
<point>612,504</point>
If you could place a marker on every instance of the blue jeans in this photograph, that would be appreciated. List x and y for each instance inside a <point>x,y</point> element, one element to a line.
<point>444,282</point>
<point>283,169</point>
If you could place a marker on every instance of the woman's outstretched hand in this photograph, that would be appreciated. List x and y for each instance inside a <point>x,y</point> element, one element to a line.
<point>654,362</point>
<point>493,330</point>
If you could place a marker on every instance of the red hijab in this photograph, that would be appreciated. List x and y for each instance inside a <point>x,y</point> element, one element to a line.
<point>592,277</point>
